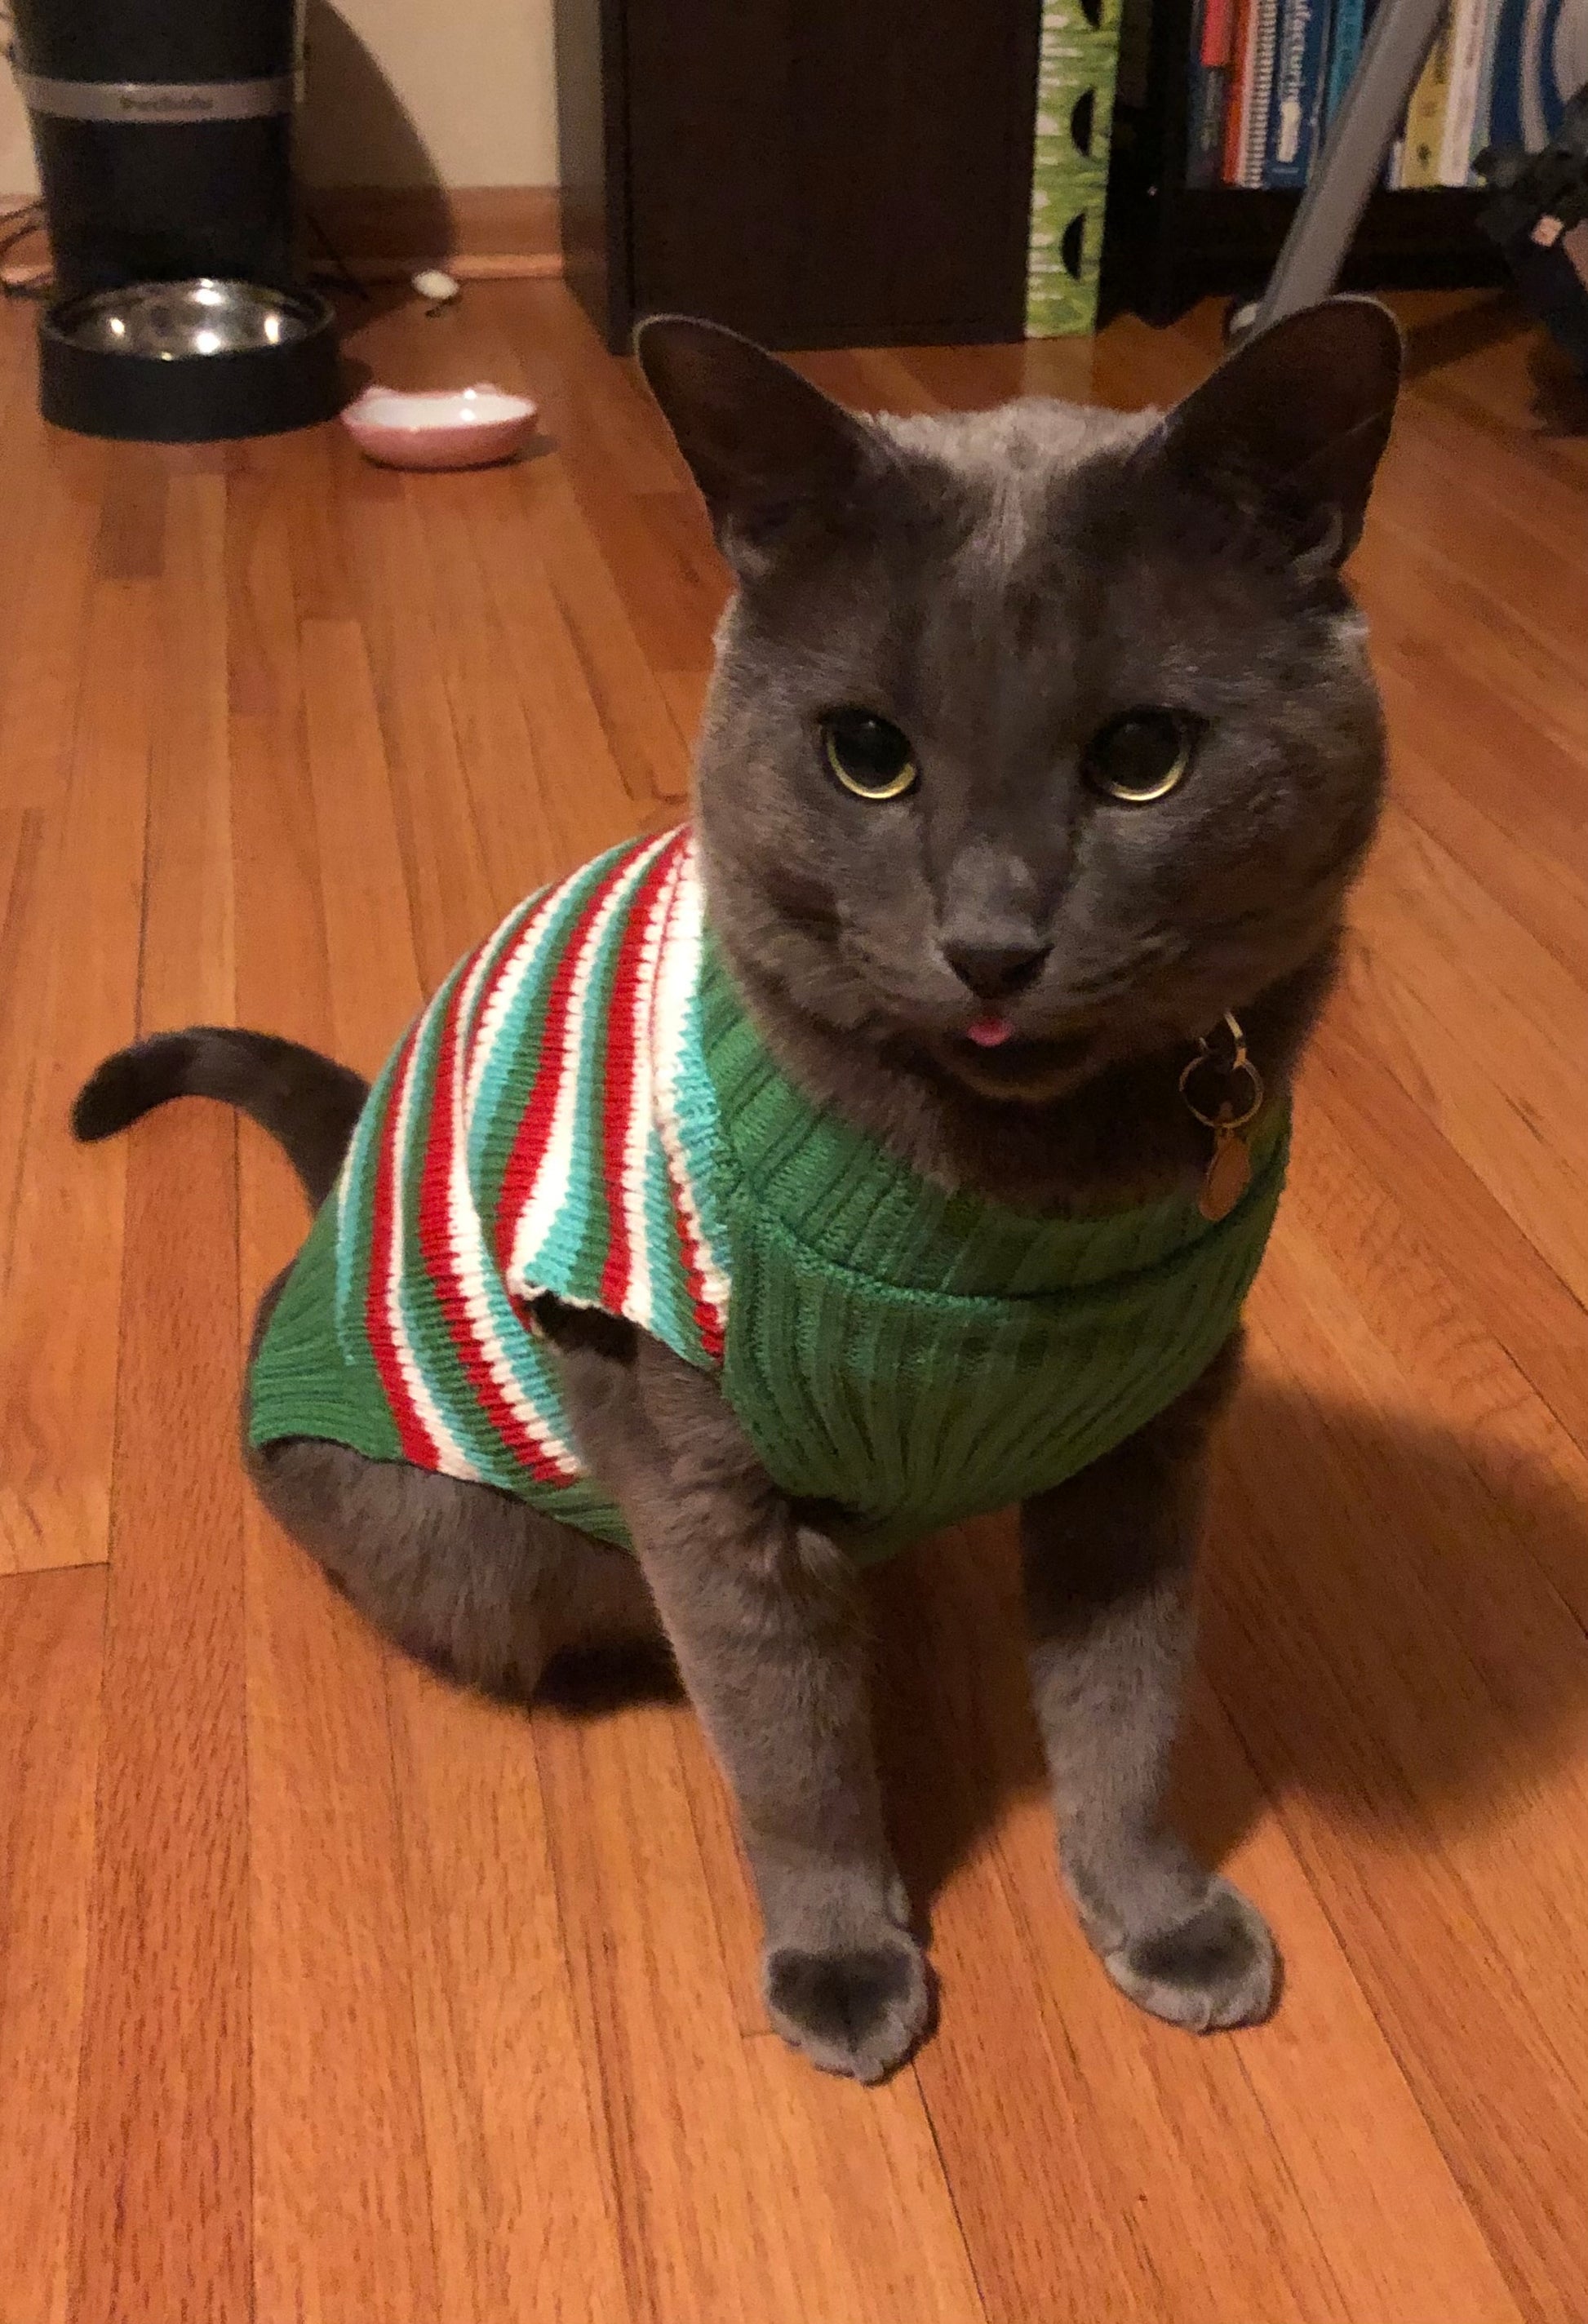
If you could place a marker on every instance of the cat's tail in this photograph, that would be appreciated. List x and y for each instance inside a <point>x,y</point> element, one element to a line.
<point>307,1104</point>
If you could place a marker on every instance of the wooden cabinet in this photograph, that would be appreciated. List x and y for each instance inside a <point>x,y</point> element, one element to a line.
<point>815,172</point>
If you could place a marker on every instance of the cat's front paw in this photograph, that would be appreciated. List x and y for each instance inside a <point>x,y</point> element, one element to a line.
<point>1216,1968</point>
<point>859,2009</point>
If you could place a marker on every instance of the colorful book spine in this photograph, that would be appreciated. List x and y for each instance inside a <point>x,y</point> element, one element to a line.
<point>1258,95</point>
<point>1296,106</point>
<point>1242,47</point>
<point>1348,33</point>
<point>1424,116</point>
<point>1470,31</point>
<point>1540,50</point>
<point>1212,49</point>
<point>1078,64</point>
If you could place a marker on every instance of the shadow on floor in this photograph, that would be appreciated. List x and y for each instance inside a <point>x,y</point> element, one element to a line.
<point>1377,1626</point>
<point>1464,331</point>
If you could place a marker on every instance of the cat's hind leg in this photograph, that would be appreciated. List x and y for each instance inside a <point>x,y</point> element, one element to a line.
<point>471,1580</point>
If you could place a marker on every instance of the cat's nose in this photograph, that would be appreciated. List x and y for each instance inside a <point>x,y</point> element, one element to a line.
<point>996,971</point>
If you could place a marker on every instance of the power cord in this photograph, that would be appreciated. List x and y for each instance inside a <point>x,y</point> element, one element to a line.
<point>338,265</point>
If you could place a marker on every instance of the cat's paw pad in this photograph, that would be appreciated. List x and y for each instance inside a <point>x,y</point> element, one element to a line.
<point>1216,1968</point>
<point>859,2010</point>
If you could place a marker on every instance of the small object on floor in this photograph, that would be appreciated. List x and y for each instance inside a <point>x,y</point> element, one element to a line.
<point>441,429</point>
<point>432,282</point>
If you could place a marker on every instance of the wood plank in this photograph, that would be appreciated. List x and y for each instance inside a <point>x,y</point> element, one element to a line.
<point>51,1634</point>
<point>45,585</point>
<point>341,2221</point>
<point>525,2216</point>
<point>162,2210</point>
<point>161,2214</point>
<point>369,937</point>
<point>455,891</point>
<point>27,869</point>
<point>58,1359</point>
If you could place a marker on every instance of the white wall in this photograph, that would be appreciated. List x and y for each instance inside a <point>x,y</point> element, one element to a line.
<point>401,91</point>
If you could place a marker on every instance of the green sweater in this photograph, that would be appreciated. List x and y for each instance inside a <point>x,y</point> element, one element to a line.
<point>586,1109</point>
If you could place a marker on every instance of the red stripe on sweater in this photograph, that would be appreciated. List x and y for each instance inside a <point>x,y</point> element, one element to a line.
<point>529,1145</point>
<point>418,1445</point>
<point>440,1266</point>
<point>618,1085</point>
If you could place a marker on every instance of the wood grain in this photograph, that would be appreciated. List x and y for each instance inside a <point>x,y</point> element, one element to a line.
<point>52,1636</point>
<point>84,911</point>
<point>327,1991</point>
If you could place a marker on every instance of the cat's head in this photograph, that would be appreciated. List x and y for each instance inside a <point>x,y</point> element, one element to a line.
<point>1039,737</point>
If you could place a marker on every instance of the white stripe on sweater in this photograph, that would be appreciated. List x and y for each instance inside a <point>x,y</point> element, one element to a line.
<point>549,1193</point>
<point>526,947</point>
<point>675,993</point>
<point>640,1127</point>
<point>453,1460</point>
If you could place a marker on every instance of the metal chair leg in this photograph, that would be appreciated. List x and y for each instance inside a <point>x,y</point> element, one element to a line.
<point>1397,42</point>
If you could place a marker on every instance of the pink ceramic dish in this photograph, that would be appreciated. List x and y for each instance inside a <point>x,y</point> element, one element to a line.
<point>449,429</point>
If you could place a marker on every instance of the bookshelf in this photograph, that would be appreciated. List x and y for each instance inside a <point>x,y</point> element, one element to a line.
<point>1168,244</point>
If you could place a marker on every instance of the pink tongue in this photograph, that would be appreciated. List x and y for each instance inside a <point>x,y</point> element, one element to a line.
<point>990,1032</point>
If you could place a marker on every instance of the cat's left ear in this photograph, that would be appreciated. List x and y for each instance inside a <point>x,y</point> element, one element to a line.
<point>1299,416</point>
<point>765,448</point>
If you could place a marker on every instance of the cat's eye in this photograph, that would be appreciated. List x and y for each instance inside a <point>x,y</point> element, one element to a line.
<point>1142,755</point>
<point>868,754</point>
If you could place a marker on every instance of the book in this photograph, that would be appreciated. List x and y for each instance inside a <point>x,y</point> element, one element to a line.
<point>1257,95</point>
<point>1425,116</point>
<point>1296,106</point>
<point>1471,30</point>
<point>1242,37</point>
<point>1346,35</point>
<point>1538,55</point>
<point>1077,65</point>
<point>1212,50</point>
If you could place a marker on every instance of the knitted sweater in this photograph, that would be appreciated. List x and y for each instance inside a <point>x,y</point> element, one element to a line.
<point>586,1109</point>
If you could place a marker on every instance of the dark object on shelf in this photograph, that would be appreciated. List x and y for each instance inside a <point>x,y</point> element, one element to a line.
<point>829,175</point>
<point>1168,244</point>
<point>164,134</point>
<point>1539,216</point>
<point>184,363</point>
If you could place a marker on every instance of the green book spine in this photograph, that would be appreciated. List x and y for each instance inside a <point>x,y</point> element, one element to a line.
<point>1075,71</point>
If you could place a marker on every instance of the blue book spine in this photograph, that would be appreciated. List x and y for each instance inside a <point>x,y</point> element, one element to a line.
<point>1345,49</point>
<point>1209,95</point>
<point>1296,104</point>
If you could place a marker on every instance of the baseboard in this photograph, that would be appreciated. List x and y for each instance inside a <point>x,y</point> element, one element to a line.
<point>478,233</point>
<point>387,233</point>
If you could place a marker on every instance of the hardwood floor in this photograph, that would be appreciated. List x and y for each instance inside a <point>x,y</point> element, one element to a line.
<point>329,1994</point>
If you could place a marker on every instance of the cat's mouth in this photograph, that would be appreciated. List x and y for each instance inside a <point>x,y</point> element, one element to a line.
<point>999,1062</point>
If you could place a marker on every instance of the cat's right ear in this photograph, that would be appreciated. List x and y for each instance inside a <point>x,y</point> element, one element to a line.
<point>1294,423</point>
<point>766,448</point>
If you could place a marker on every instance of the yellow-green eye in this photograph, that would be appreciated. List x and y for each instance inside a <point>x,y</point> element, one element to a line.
<point>1142,755</point>
<point>868,754</point>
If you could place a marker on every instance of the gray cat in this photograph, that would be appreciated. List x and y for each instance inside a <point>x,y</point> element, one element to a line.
<point>1042,749</point>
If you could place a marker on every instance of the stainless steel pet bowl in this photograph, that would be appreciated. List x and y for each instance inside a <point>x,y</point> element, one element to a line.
<point>171,320</point>
<point>188,362</point>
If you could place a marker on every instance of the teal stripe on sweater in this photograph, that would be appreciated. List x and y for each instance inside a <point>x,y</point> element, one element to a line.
<point>515,1049</point>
